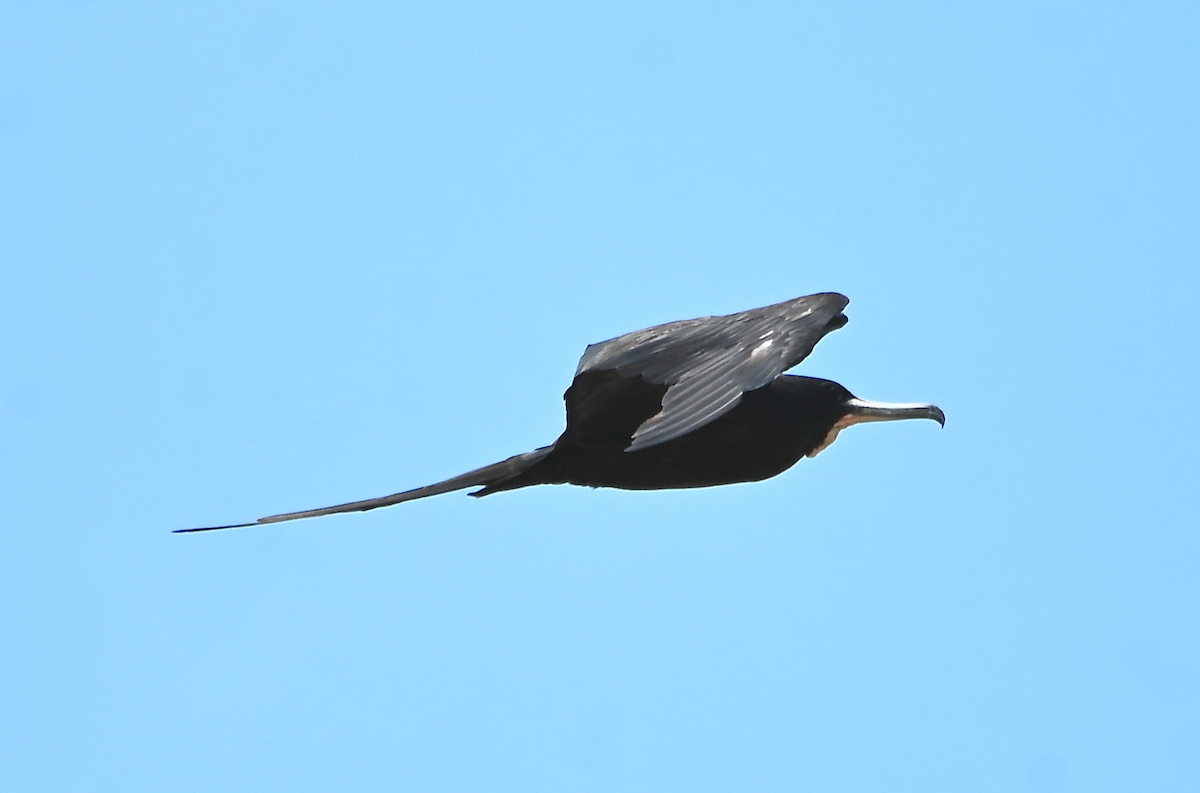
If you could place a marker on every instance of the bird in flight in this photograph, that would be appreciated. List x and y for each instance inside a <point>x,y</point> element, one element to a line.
<point>692,403</point>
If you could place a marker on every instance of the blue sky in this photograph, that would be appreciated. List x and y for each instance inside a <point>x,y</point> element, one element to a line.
<point>269,257</point>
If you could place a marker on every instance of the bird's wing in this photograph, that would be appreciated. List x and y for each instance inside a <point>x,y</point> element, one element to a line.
<point>708,363</point>
<point>490,476</point>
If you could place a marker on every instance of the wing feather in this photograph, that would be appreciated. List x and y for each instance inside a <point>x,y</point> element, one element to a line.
<point>708,363</point>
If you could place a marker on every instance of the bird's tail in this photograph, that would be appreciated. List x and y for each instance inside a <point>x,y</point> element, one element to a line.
<point>488,476</point>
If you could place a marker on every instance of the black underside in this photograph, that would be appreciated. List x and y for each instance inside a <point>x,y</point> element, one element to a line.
<point>764,434</point>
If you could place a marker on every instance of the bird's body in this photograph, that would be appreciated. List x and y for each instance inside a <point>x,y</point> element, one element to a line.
<point>693,403</point>
<point>766,433</point>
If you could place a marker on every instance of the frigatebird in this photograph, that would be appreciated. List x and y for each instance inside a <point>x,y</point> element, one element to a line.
<point>693,403</point>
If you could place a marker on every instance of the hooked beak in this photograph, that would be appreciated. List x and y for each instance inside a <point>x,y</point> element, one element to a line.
<point>861,410</point>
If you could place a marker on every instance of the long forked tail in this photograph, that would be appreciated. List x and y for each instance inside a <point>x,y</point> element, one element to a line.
<point>493,474</point>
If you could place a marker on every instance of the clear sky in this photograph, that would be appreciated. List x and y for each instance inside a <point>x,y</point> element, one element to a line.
<point>267,257</point>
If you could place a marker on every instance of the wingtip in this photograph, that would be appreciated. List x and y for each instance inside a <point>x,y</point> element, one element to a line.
<point>214,528</point>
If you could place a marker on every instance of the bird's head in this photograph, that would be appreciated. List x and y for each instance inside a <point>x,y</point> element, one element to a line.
<point>831,405</point>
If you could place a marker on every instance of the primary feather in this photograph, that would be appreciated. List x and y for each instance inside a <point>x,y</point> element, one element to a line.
<point>708,363</point>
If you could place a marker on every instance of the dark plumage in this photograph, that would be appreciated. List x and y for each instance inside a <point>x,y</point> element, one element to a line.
<point>693,403</point>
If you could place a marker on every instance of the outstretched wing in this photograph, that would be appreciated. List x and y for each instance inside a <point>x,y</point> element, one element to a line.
<point>708,363</point>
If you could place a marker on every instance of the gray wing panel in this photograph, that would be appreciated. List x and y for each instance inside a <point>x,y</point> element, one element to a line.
<point>709,363</point>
